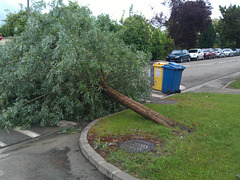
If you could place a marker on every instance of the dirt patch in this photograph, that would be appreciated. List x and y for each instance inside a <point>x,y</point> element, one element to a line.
<point>104,145</point>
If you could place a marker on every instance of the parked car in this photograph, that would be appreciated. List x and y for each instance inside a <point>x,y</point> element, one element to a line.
<point>219,52</point>
<point>236,52</point>
<point>196,54</point>
<point>178,55</point>
<point>208,53</point>
<point>228,52</point>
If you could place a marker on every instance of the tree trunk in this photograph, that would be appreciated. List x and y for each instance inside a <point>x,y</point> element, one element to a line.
<point>137,107</point>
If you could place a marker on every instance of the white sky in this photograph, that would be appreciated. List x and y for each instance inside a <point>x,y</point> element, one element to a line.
<point>115,8</point>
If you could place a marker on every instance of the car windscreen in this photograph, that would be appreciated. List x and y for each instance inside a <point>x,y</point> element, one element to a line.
<point>176,52</point>
<point>206,50</point>
<point>193,51</point>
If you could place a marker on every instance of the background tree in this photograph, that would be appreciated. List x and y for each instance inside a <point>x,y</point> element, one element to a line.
<point>207,38</point>
<point>162,44</point>
<point>187,19</point>
<point>61,66</point>
<point>14,23</point>
<point>106,23</point>
<point>229,25</point>
<point>137,31</point>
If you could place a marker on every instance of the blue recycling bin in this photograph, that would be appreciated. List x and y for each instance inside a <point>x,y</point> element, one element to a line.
<point>172,75</point>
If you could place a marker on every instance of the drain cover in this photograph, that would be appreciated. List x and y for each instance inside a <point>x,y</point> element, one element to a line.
<point>137,145</point>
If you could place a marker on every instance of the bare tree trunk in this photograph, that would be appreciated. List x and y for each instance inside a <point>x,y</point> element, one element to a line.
<point>137,107</point>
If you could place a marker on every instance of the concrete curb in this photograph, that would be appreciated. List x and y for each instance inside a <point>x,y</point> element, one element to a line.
<point>98,161</point>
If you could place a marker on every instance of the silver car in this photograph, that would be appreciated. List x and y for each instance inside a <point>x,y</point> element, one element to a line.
<point>219,52</point>
<point>228,52</point>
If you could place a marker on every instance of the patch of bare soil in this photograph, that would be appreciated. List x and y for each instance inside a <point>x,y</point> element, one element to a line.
<point>104,145</point>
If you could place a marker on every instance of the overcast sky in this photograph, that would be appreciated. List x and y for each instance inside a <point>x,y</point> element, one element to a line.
<point>115,8</point>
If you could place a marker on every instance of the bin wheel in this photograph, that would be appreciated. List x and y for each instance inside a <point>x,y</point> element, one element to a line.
<point>168,92</point>
<point>179,91</point>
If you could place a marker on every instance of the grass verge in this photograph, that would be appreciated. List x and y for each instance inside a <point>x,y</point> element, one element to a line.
<point>212,151</point>
<point>235,84</point>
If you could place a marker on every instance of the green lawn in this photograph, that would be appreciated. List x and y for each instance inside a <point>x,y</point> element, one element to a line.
<point>235,84</point>
<point>211,151</point>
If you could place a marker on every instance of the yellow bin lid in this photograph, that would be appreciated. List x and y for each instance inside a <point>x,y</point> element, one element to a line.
<point>160,64</point>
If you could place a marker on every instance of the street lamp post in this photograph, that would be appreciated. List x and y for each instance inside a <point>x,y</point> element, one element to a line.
<point>28,8</point>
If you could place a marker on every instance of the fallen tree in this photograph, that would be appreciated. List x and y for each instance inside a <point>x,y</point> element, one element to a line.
<point>61,66</point>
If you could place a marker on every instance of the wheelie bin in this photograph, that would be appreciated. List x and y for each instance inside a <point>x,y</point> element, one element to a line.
<point>172,75</point>
<point>158,75</point>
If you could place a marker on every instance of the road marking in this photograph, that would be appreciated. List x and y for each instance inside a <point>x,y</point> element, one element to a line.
<point>223,62</point>
<point>206,64</point>
<point>26,132</point>
<point>2,144</point>
<point>67,123</point>
<point>182,87</point>
<point>157,95</point>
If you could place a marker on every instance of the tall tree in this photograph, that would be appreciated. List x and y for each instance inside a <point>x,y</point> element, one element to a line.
<point>207,38</point>
<point>61,66</point>
<point>137,31</point>
<point>162,44</point>
<point>14,24</point>
<point>187,19</point>
<point>229,25</point>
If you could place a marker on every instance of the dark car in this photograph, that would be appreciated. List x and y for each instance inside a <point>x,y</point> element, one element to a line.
<point>178,55</point>
<point>236,52</point>
<point>208,53</point>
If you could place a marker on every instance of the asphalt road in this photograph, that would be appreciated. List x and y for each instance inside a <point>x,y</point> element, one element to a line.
<point>43,153</point>
<point>219,72</point>
<point>50,156</point>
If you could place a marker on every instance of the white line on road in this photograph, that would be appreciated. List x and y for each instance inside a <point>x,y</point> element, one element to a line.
<point>157,95</point>
<point>182,87</point>
<point>223,62</point>
<point>26,132</point>
<point>2,144</point>
<point>206,64</point>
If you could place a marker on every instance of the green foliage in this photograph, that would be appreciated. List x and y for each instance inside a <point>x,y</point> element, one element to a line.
<point>228,26</point>
<point>138,32</point>
<point>235,84</point>
<point>207,38</point>
<point>52,70</point>
<point>162,44</point>
<point>106,23</point>
<point>14,24</point>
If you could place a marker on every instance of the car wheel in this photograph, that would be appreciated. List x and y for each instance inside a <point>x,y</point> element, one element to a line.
<point>188,59</point>
<point>181,60</point>
<point>197,58</point>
